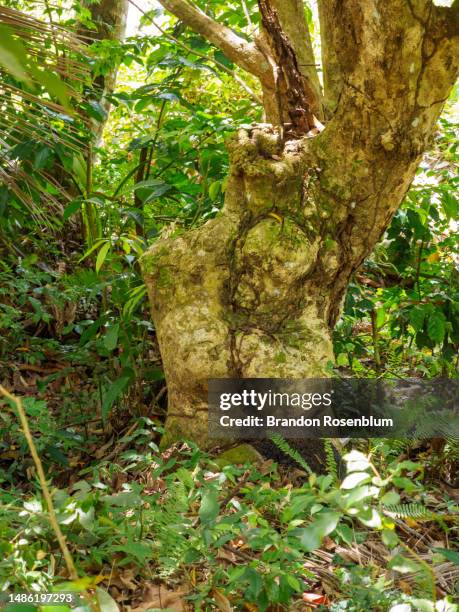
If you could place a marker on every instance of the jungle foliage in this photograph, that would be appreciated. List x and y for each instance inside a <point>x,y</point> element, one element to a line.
<point>146,527</point>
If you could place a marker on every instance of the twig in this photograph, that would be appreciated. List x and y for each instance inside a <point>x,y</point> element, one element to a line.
<point>235,490</point>
<point>41,476</point>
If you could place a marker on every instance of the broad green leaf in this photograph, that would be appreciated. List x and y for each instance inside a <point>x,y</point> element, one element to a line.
<point>210,507</point>
<point>78,169</point>
<point>380,317</point>
<point>389,538</point>
<point>356,461</point>
<point>311,536</point>
<point>13,56</point>
<point>436,326</point>
<point>101,255</point>
<point>391,498</point>
<point>346,533</point>
<point>214,190</point>
<point>111,337</point>
<point>53,85</point>
<point>417,316</point>
<point>358,494</point>
<point>370,518</point>
<point>105,600</point>
<point>138,550</point>
<point>450,205</point>
<point>124,499</point>
<point>72,208</point>
<point>355,479</point>
<point>424,605</point>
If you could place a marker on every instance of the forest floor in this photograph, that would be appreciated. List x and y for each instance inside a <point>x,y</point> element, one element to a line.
<point>181,529</point>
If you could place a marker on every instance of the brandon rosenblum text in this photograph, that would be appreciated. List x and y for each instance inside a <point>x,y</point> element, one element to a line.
<point>302,421</point>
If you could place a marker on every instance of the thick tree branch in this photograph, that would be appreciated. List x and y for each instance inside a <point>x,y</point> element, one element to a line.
<point>333,71</point>
<point>293,22</point>
<point>397,61</point>
<point>243,53</point>
<point>294,95</point>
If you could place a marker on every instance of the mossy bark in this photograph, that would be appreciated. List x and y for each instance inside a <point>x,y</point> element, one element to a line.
<point>232,298</point>
<point>256,291</point>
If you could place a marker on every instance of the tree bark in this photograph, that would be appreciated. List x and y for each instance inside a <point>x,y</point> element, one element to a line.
<point>256,291</point>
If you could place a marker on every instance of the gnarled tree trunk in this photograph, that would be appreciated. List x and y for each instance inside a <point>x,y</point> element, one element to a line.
<point>256,291</point>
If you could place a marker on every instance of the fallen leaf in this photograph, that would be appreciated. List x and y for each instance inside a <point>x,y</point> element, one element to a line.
<point>158,596</point>
<point>221,601</point>
<point>315,599</point>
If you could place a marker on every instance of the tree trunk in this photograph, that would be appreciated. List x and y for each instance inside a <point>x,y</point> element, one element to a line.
<point>256,291</point>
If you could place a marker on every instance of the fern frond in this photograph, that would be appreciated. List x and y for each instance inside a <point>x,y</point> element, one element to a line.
<point>414,511</point>
<point>171,530</point>
<point>332,467</point>
<point>451,450</point>
<point>285,447</point>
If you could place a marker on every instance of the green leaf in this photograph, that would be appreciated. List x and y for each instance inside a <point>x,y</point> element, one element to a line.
<point>223,59</point>
<point>210,507</point>
<point>124,499</point>
<point>151,189</point>
<point>138,550</point>
<point>450,205</point>
<point>102,254</point>
<point>13,56</point>
<point>356,461</point>
<point>41,158</point>
<point>380,317</point>
<point>389,538</point>
<point>111,337</point>
<point>404,565</point>
<point>105,600</point>
<point>95,246</point>
<point>95,110</point>
<point>449,555</point>
<point>72,208</point>
<point>370,518</point>
<point>294,583</point>
<point>214,190</point>
<point>417,316</point>
<point>436,326</point>
<point>114,391</point>
<point>346,533</point>
<point>311,537</point>
<point>53,85</point>
<point>358,494</point>
<point>355,479</point>
<point>391,498</point>
<point>78,170</point>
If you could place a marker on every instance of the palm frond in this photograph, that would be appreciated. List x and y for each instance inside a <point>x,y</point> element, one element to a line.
<point>43,74</point>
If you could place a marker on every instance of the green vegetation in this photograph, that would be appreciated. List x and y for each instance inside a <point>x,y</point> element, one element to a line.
<point>180,529</point>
